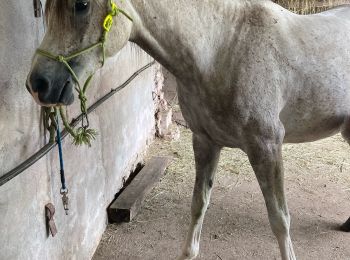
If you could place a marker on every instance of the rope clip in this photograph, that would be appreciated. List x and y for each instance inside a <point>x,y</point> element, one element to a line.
<point>65,200</point>
<point>85,121</point>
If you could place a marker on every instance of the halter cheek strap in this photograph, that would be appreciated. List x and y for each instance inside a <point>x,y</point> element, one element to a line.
<point>81,89</point>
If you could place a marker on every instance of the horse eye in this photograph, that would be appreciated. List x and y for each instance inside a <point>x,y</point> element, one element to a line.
<point>81,6</point>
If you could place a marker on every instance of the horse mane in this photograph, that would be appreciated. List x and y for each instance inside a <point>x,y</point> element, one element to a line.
<point>56,12</point>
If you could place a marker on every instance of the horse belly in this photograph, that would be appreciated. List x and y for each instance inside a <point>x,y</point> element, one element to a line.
<point>314,119</point>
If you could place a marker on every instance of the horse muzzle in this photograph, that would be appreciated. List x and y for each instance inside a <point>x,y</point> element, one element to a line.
<point>48,91</point>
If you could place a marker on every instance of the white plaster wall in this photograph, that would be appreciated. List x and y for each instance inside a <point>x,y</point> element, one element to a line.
<point>94,175</point>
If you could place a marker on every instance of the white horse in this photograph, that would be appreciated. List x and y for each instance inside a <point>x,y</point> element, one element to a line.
<point>251,75</point>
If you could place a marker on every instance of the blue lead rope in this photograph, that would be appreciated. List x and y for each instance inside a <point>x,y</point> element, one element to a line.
<point>64,190</point>
<point>59,143</point>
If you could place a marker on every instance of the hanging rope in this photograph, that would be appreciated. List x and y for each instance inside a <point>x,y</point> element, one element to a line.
<point>64,189</point>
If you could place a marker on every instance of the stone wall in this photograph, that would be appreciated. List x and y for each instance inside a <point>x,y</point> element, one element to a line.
<point>94,175</point>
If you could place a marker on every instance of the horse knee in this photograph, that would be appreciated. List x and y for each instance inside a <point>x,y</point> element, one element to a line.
<point>200,203</point>
<point>280,224</point>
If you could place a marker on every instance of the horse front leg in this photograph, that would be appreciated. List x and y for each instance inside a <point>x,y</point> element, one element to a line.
<point>206,158</point>
<point>266,159</point>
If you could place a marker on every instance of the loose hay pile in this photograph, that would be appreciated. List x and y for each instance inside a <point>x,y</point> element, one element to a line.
<point>310,6</point>
<point>329,156</point>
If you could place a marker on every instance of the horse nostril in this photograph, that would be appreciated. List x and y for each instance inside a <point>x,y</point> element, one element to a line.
<point>27,87</point>
<point>67,83</point>
<point>40,84</point>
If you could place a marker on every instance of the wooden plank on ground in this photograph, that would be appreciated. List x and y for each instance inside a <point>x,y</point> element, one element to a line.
<point>129,203</point>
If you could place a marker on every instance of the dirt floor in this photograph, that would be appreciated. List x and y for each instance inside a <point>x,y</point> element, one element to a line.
<point>236,224</point>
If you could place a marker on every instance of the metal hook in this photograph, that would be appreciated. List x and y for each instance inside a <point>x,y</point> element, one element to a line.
<point>37,8</point>
<point>85,121</point>
<point>65,200</point>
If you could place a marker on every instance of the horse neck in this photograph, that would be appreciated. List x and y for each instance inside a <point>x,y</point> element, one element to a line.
<point>182,35</point>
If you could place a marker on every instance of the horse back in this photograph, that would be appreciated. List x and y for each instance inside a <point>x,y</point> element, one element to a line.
<point>341,11</point>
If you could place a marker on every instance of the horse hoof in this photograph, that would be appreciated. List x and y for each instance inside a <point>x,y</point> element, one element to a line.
<point>346,226</point>
<point>187,257</point>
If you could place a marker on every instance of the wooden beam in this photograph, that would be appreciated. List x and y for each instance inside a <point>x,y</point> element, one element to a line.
<point>129,203</point>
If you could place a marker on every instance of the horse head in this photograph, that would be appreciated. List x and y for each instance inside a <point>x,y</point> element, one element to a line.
<point>79,37</point>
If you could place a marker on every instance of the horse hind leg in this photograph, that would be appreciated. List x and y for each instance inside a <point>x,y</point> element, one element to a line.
<point>345,131</point>
<point>206,160</point>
